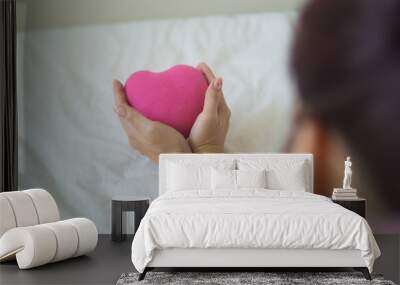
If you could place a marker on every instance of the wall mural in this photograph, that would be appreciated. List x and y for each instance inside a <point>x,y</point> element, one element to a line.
<point>71,140</point>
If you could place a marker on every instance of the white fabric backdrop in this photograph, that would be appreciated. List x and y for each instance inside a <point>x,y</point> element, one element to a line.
<point>70,140</point>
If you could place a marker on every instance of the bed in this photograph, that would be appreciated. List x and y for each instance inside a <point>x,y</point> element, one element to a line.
<point>247,211</point>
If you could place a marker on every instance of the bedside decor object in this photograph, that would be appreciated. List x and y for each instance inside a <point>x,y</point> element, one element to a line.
<point>357,205</point>
<point>31,231</point>
<point>121,204</point>
<point>347,174</point>
<point>346,193</point>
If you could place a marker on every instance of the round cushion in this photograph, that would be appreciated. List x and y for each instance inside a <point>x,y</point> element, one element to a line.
<point>24,210</point>
<point>87,233</point>
<point>174,97</point>
<point>7,220</point>
<point>45,205</point>
<point>32,246</point>
<point>67,240</point>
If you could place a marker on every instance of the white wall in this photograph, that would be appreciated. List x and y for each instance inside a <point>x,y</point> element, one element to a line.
<point>64,13</point>
<point>70,139</point>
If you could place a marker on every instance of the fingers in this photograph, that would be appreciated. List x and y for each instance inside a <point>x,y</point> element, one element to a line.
<point>131,120</point>
<point>223,107</point>
<point>148,137</point>
<point>212,97</point>
<point>218,84</point>
<point>121,103</point>
<point>119,93</point>
<point>206,71</point>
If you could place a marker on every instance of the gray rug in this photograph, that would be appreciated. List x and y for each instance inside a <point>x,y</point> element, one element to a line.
<point>269,278</point>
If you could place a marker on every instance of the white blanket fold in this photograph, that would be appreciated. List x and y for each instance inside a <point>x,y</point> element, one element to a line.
<point>251,218</point>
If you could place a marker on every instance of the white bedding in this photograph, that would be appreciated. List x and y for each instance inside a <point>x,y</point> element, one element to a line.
<point>251,218</point>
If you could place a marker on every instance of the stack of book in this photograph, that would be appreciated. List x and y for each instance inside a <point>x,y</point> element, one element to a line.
<point>344,194</point>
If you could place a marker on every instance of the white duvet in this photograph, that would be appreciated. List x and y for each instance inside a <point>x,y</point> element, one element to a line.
<point>250,219</point>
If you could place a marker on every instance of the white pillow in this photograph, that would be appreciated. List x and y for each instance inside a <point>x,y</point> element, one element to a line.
<point>223,179</point>
<point>290,179</point>
<point>236,179</point>
<point>251,178</point>
<point>182,178</point>
<point>187,175</point>
<point>282,174</point>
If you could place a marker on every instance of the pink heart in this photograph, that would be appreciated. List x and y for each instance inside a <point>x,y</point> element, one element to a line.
<point>174,97</point>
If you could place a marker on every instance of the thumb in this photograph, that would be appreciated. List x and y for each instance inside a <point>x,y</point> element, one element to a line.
<point>124,110</point>
<point>211,99</point>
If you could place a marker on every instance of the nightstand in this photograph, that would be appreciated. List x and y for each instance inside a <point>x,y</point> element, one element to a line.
<point>358,206</point>
<point>121,204</point>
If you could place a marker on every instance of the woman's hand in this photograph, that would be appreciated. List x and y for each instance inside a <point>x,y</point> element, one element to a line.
<point>211,126</point>
<point>148,137</point>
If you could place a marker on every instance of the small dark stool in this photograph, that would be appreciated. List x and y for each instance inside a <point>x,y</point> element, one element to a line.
<point>120,204</point>
<point>357,205</point>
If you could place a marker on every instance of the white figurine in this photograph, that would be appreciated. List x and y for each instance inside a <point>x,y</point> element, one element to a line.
<point>347,174</point>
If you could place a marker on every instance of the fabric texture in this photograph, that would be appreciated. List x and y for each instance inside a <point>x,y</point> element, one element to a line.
<point>31,233</point>
<point>27,208</point>
<point>251,178</point>
<point>78,64</point>
<point>223,179</point>
<point>236,179</point>
<point>250,278</point>
<point>186,175</point>
<point>174,97</point>
<point>281,174</point>
<point>41,244</point>
<point>252,218</point>
<point>181,177</point>
<point>9,106</point>
<point>7,220</point>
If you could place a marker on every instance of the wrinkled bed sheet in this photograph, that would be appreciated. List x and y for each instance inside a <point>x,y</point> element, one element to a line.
<point>250,218</point>
<point>71,142</point>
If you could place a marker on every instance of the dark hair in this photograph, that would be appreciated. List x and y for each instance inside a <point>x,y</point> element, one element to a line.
<point>346,63</point>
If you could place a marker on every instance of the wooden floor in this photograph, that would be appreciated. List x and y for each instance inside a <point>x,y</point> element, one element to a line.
<point>110,260</point>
